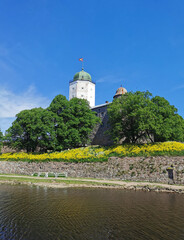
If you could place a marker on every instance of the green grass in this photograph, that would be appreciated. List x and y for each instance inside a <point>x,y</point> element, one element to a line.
<point>24,179</point>
<point>104,159</point>
<point>70,181</point>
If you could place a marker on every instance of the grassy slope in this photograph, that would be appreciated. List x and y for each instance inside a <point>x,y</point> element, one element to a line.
<point>100,154</point>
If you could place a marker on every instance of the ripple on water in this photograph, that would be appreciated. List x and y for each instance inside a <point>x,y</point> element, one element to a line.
<point>40,213</point>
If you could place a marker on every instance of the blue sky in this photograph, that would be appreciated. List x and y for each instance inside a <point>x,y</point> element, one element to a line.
<point>136,43</point>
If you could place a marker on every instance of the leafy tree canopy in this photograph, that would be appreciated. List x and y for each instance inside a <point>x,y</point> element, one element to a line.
<point>169,124</point>
<point>136,116</point>
<point>64,124</point>
<point>74,121</point>
<point>60,108</point>
<point>1,140</point>
<point>32,130</point>
<point>81,122</point>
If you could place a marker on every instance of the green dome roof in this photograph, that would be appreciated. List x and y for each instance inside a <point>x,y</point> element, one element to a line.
<point>82,75</point>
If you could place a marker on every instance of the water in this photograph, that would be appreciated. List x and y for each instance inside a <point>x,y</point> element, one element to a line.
<point>82,213</point>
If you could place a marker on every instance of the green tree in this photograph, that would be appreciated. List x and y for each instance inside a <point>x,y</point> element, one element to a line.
<point>169,125</point>
<point>61,110</point>
<point>137,116</point>
<point>130,117</point>
<point>74,121</point>
<point>64,124</point>
<point>81,123</point>
<point>32,130</point>
<point>1,140</point>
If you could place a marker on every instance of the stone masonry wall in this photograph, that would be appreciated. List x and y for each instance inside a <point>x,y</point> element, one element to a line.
<point>153,169</point>
<point>100,135</point>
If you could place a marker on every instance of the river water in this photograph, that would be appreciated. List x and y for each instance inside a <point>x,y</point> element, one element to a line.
<point>89,213</point>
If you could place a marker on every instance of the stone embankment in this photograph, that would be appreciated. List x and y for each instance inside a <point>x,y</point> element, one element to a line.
<point>151,169</point>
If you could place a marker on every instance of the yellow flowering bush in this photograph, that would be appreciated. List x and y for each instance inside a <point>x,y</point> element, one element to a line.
<point>78,154</point>
<point>165,148</point>
<point>90,154</point>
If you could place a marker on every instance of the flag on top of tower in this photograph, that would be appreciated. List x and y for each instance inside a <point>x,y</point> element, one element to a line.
<point>81,59</point>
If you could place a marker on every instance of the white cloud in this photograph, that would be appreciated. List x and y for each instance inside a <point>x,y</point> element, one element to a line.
<point>111,79</point>
<point>5,123</point>
<point>4,52</point>
<point>12,103</point>
<point>178,87</point>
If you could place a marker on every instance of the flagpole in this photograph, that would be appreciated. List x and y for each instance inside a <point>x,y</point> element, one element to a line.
<point>81,60</point>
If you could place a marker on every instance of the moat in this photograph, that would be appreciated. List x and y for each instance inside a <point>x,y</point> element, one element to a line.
<point>32,212</point>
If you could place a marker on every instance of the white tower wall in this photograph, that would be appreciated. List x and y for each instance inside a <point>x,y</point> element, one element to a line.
<point>83,89</point>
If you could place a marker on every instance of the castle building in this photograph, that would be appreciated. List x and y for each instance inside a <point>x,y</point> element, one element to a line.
<point>100,135</point>
<point>83,87</point>
<point>120,91</point>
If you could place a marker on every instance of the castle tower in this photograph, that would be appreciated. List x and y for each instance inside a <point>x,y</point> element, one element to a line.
<point>119,92</point>
<point>83,87</point>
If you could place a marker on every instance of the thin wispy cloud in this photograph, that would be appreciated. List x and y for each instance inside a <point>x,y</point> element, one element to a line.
<point>12,103</point>
<point>12,60</point>
<point>5,66</point>
<point>110,79</point>
<point>178,87</point>
<point>3,51</point>
<point>15,57</point>
<point>5,123</point>
<point>8,59</point>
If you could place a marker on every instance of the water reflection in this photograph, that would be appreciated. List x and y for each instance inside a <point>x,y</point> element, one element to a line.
<point>42,213</point>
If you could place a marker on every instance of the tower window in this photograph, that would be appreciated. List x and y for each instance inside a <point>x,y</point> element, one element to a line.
<point>82,88</point>
<point>82,96</point>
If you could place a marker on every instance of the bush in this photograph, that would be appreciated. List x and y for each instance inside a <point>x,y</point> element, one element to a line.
<point>99,154</point>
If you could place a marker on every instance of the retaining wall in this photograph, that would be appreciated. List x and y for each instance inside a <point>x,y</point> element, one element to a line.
<point>153,169</point>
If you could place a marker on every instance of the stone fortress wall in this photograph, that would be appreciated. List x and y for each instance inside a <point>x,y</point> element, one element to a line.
<point>100,135</point>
